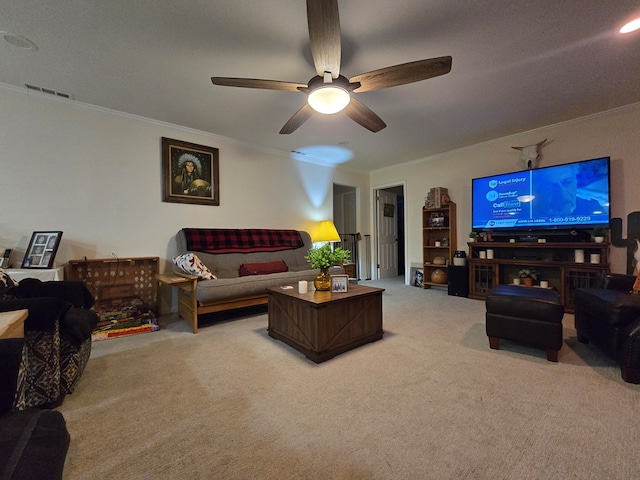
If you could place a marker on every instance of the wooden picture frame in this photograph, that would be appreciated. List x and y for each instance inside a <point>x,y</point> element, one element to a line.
<point>339,283</point>
<point>190,173</point>
<point>42,249</point>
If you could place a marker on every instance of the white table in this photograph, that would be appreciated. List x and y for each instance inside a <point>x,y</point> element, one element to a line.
<point>44,274</point>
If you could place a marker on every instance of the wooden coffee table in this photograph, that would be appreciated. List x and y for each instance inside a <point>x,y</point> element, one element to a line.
<point>322,325</point>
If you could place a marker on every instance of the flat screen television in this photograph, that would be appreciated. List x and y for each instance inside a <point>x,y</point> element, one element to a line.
<point>570,196</point>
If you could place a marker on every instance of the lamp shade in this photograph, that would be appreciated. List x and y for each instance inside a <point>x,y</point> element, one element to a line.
<point>326,232</point>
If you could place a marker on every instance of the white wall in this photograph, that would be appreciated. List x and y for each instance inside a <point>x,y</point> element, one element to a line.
<point>614,133</point>
<point>96,175</point>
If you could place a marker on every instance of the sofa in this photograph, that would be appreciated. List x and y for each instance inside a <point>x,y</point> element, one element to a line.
<point>232,268</point>
<point>609,317</point>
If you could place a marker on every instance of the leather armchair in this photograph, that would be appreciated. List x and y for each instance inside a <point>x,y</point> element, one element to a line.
<point>33,442</point>
<point>609,317</point>
<point>57,335</point>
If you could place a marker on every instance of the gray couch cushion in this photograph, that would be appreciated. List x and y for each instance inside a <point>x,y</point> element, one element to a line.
<point>226,288</point>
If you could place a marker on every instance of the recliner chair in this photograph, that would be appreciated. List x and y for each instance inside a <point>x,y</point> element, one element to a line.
<point>610,318</point>
<point>57,335</point>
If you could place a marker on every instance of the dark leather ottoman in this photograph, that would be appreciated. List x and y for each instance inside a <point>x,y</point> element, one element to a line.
<point>528,315</point>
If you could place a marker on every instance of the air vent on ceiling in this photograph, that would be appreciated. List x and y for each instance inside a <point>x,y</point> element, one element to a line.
<point>48,91</point>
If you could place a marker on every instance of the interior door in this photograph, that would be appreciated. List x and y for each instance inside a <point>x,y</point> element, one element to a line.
<point>387,211</point>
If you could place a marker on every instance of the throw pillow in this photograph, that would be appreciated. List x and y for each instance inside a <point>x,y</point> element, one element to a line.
<point>191,264</point>
<point>263,268</point>
<point>6,282</point>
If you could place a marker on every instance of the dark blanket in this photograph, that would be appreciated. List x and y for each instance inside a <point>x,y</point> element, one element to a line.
<point>67,302</point>
<point>73,291</point>
<point>237,240</point>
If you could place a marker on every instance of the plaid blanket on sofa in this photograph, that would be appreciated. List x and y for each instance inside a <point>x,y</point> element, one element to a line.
<point>236,240</point>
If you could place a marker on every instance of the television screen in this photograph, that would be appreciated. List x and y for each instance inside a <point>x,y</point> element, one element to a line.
<point>562,196</point>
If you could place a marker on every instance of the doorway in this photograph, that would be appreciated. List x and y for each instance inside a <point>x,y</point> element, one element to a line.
<point>389,230</point>
<point>345,218</point>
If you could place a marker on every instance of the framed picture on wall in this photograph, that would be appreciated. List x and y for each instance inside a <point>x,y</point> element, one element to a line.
<point>42,249</point>
<point>190,173</point>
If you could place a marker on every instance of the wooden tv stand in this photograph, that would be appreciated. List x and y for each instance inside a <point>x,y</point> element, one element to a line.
<point>554,261</point>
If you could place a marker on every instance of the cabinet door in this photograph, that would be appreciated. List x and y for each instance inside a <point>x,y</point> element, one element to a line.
<point>575,278</point>
<point>482,278</point>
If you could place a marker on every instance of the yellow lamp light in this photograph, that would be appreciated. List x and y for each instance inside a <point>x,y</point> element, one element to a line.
<point>326,232</point>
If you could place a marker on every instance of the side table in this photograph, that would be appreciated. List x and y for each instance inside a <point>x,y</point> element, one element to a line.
<point>12,323</point>
<point>44,274</point>
<point>187,309</point>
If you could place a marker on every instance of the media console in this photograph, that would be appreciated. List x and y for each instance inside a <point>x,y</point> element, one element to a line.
<point>555,262</point>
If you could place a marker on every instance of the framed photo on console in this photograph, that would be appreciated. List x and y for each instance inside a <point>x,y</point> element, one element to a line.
<point>190,173</point>
<point>339,283</point>
<point>42,249</point>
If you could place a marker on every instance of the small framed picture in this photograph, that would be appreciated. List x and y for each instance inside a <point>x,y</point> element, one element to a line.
<point>339,283</point>
<point>42,249</point>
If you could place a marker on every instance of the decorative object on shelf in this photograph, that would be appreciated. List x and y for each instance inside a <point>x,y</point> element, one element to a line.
<point>437,197</point>
<point>459,258</point>
<point>598,234</point>
<point>437,219</point>
<point>190,173</point>
<point>473,236</point>
<point>579,255</point>
<point>439,261</point>
<point>528,275</point>
<point>323,258</point>
<point>439,276</point>
<point>42,249</point>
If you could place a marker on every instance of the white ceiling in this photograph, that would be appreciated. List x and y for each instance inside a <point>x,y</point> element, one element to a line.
<point>517,65</point>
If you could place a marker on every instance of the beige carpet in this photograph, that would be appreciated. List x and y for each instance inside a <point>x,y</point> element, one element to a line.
<point>429,401</point>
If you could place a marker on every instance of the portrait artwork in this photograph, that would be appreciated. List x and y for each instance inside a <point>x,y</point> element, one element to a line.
<point>190,173</point>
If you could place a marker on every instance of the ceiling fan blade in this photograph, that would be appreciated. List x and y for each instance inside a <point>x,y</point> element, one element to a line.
<point>297,119</point>
<point>257,83</point>
<point>363,115</point>
<point>402,74</point>
<point>324,35</point>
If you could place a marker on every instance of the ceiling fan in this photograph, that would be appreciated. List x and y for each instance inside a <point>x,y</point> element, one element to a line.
<point>329,92</point>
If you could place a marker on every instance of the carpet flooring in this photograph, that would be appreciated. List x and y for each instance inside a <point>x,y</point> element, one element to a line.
<point>428,401</point>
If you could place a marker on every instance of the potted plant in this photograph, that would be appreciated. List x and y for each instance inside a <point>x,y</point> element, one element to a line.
<point>323,258</point>
<point>528,275</point>
<point>473,236</point>
<point>598,234</point>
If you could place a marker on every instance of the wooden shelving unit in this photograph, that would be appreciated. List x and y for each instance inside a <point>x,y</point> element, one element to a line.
<point>438,225</point>
<point>555,263</point>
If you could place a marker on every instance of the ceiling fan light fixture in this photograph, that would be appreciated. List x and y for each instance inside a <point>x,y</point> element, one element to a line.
<point>631,26</point>
<point>329,99</point>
